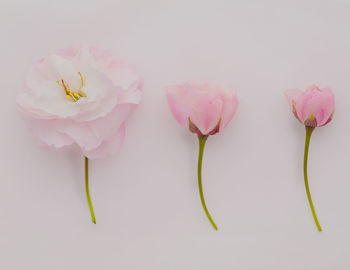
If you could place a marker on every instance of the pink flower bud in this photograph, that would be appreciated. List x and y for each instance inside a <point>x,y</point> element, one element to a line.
<point>314,107</point>
<point>203,108</point>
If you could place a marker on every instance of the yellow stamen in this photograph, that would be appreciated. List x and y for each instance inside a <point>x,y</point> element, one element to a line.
<point>81,78</point>
<point>76,96</point>
<point>73,96</point>
<point>82,94</point>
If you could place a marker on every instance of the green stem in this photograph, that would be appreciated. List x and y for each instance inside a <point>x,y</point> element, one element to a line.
<point>87,190</point>
<point>306,153</point>
<point>202,139</point>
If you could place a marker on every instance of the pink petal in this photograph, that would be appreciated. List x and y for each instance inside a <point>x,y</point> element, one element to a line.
<point>46,132</point>
<point>178,106</point>
<point>229,108</point>
<point>292,95</point>
<point>206,113</point>
<point>107,147</point>
<point>90,135</point>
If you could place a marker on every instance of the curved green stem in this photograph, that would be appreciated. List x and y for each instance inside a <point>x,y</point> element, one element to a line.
<point>306,153</point>
<point>87,190</point>
<point>202,139</point>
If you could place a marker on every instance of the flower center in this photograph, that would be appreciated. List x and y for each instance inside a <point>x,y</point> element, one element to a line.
<point>73,96</point>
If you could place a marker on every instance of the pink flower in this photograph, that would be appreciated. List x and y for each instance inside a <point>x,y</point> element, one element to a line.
<point>80,96</point>
<point>314,107</point>
<point>203,108</point>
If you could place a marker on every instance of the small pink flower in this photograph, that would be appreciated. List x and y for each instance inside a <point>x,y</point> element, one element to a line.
<point>80,96</point>
<point>314,108</point>
<point>204,109</point>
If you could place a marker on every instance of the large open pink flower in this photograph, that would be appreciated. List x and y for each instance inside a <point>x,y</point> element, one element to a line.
<point>80,96</point>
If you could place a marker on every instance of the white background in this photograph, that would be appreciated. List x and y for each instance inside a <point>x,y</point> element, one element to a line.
<point>146,200</point>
